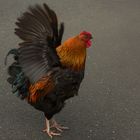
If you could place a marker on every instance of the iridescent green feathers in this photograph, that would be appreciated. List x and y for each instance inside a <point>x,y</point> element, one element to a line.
<point>16,77</point>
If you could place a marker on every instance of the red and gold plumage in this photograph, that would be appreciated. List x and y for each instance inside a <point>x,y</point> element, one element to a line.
<point>72,53</point>
<point>41,88</point>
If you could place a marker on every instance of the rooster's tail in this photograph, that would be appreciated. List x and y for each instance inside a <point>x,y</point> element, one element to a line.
<point>16,78</point>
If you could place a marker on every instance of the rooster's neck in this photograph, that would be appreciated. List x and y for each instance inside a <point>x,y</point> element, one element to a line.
<point>72,54</point>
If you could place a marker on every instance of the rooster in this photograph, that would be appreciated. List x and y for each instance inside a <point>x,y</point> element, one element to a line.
<point>46,72</point>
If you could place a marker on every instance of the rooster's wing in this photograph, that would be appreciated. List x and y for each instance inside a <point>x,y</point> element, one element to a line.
<point>38,28</point>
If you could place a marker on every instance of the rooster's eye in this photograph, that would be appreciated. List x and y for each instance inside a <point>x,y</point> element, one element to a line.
<point>85,36</point>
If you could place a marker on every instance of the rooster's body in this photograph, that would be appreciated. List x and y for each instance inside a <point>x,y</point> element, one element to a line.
<point>47,72</point>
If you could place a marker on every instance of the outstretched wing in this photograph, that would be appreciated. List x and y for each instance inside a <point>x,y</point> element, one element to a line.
<point>38,28</point>
<point>38,24</point>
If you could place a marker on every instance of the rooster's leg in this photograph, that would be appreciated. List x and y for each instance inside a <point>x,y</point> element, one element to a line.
<point>48,131</point>
<point>58,126</point>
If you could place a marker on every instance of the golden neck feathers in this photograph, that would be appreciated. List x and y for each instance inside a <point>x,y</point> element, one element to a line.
<point>72,53</point>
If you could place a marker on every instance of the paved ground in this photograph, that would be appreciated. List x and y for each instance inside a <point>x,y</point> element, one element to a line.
<point>108,107</point>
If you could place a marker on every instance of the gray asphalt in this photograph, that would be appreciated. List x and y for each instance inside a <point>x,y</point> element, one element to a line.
<point>108,105</point>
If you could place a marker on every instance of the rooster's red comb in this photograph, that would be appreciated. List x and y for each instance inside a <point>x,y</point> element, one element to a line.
<point>85,33</point>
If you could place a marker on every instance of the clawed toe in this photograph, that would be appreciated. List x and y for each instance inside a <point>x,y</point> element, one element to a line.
<point>58,126</point>
<point>51,133</point>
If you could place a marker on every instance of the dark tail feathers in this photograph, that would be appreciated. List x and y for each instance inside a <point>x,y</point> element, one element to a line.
<point>17,79</point>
